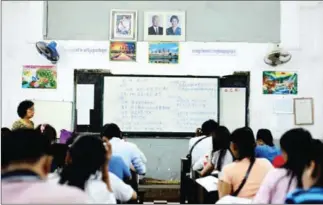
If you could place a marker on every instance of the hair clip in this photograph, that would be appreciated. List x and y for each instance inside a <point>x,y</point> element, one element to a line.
<point>42,128</point>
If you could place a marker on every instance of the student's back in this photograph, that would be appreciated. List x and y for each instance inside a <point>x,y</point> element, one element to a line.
<point>118,167</point>
<point>268,152</point>
<point>39,192</point>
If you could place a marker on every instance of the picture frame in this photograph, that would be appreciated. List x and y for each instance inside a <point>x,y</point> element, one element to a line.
<point>123,25</point>
<point>123,51</point>
<point>165,26</point>
<point>303,111</point>
<point>164,53</point>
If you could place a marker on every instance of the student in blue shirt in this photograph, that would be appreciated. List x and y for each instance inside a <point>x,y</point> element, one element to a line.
<point>265,145</point>
<point>312,179</point>
<point>118,167</point>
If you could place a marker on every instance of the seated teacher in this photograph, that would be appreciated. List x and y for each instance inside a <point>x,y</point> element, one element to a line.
<point>25,112</point>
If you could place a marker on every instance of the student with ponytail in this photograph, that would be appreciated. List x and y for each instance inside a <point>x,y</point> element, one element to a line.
<point>221,154</point>
<point>312,178</point>
<point>296,145</point>
<point>48,131</point>
<point>243,177</point>
<point>87,169</point>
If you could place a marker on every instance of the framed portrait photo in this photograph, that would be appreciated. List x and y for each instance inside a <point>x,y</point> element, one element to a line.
<point>164,26</point>
<point>123,25</point>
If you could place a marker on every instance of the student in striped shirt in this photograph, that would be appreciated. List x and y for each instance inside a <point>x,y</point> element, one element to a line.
<point>312,179</point>
<point>132,158</point>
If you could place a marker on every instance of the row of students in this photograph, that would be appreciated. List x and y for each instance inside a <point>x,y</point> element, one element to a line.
<point>83,177</point>
<point>250,173</point>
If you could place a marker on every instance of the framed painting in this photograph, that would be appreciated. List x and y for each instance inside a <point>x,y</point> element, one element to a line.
<point>123,25</point>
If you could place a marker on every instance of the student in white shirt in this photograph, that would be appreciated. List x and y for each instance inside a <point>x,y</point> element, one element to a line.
<point>87,169</point>
<point>204,147</point>
<point>136,148</point>
<point>112,133</point>
<point>221,154</point>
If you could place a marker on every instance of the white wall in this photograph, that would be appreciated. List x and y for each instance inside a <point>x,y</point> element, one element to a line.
<point>301,31</point>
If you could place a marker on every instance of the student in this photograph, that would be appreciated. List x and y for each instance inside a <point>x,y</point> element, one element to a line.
<point>5,131</point>
<point>202,145</point>
<point>25,111</point>
<point>312,179</point>
<point>118,167</point>
<point>122,191</point>
<point>221,154</point>
<point>88,157</point>
<point>295,145</point>
<point>265,145</point>
<point>112,133</point>
<point>232,176</point>
<point>58,152</point>
<point>48,131</point>
<point>24,153</point>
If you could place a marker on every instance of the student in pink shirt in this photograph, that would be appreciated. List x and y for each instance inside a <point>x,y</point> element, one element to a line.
<point>296,146</point>
<point>243,148</point>
<point>27,164</point>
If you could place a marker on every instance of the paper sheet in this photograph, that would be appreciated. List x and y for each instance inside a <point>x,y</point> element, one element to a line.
<point>233,200</point>
<point>83,116</point>
<point>210,183</point>
<point>85,96</point>
<point>283,106</point>
<point>304,111</point>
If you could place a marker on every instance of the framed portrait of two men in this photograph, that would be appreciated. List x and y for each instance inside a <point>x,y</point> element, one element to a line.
<point>164,26</point>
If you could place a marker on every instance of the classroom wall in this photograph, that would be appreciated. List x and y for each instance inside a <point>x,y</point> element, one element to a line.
<point>301,32</point>
<point>201,18</point>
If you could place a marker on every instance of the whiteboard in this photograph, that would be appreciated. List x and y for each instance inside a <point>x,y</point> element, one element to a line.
<point>159,104</point>
<point>233,107</point>
<point>56,113</point>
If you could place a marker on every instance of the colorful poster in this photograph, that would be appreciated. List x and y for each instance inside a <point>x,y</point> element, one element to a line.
<point>123,51</point>
<point>36,76</point>
<point>279,83</point>
<point>163,53</point>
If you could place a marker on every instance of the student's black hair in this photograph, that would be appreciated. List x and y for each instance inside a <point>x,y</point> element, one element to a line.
<point>23,107</point>
<point>266,136</point>
<point>316,155</point>
<point>221,142</point>
<point>23,146</point>
<point>47,131</point>
<point>5,131</point>
<point>58,152</point>
<point>88,155</point>
<point>297,145</point>
<point>111,130</point>
<point>244,139</point>
<point>208,127</point>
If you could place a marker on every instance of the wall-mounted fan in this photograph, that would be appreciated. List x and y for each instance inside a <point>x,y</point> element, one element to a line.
<point>48,50</point>
<point>277,56</point>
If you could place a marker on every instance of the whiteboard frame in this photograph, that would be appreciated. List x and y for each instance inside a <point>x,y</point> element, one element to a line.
<point>72,113</point>
<point>164,134</point>
<point>311,111</point>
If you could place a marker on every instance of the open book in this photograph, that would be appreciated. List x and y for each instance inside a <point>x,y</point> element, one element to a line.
<point>210,183</point>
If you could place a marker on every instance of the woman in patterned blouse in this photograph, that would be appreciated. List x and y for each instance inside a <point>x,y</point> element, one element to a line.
<point>25,112</point>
